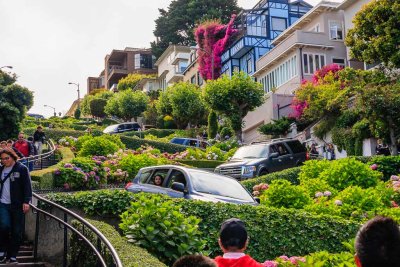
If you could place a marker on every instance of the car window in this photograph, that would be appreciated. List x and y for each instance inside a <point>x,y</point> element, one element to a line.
<point>282,150</point>
<point>135,126</point>
<point>192,143</point>
<point>121,127</point>
<point>296,146</point>
<point>178,141</point>
<point>203,144</point>
<point>162,172</point>
<point>273,149</point>
<point>176,177</point>
<point>253,151</point>
<point>128,126</point>
<point>210,183</point>
<point>144,176</point>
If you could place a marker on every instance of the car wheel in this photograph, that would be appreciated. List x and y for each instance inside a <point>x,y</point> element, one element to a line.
<point>263,172</point>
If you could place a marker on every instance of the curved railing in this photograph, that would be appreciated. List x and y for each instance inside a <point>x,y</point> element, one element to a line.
<point>67,215</point>
<point>39,158</point>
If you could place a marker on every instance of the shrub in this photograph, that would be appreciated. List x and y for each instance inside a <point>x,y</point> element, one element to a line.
<point>347,172</point>
<point>312,186</point>
<point>212,124</point>
<point>282,194</point>
<point>132,163</point>
<point>159,226</point>
<point>307,232</point>
<point>129,254</point>
<point>226,131</point>
<point>313,168</point>
<point>214,153</point>
<point>98,146</point>
<point>388,165</point>
<point>81,140</point>
<point>289,174</point>
<point>135,143</point>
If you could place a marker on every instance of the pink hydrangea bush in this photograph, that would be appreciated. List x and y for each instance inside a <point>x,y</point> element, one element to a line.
<point>259,189</point>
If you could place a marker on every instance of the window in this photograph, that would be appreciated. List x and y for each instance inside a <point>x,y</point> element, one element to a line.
<point>278,24</point>
<point>236,69</point>
<point>280,75</point>
<point>161,172</point>
<point>137,61</point>
<point>296,147</point>
<point>312,62</point>
<point>144,176</point>
<point>176,177</point>
<point>143,61</point>
<point>335,30</point>
<point>282,150</point>
<point>249,64</point>
<point>193,79</point>
<point>339,61</point>
<point>199,79</point>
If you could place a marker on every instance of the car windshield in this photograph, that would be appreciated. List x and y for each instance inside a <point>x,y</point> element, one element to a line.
<point>111,128</point>
<point>178,141</point>
<point>213,184</point>
<point>248,152</point>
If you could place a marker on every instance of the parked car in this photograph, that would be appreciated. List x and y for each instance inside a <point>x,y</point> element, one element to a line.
<point>264,157</point>
<point>122,127</point>
<point>189,183</point>
<point>189,142</point>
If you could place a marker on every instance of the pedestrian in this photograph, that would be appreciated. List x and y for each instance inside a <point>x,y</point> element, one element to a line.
<point>378,243</point>
<point>10,144</point>
<point>233,241</point>
<point>15,196</point>
<point>331,152</point>
<point>39,137</point>
<point>313,151</point>
<point>26,148</point>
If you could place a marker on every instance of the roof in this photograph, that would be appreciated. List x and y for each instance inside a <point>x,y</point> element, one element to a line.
<point>315,11</point>
<point>170,49</point>
<point>346,3</point>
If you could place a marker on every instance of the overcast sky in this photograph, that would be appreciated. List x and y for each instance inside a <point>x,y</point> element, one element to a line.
<point>50,43</point>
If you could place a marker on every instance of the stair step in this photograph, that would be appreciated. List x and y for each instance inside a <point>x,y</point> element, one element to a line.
<point>25,253</point>
<point>25,259</point>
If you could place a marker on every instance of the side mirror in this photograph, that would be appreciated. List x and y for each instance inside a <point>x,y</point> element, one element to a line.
<point>178,187</point>
<point>274,155</point>
<point>257,199</point>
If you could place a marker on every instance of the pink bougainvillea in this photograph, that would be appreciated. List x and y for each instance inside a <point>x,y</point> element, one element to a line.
<point>298,108</point>
<point>319,75</point>
<point>212,39</point>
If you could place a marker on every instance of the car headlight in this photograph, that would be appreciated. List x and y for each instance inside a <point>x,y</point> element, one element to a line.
<point>217,170</point>
<point>248,169</point>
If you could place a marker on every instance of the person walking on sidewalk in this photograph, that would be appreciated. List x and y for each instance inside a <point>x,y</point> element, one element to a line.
<point>15,196</point>
<point>39,137</point>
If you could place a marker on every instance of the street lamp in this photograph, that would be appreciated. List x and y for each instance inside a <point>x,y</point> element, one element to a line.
<point>212,58</point>
<point>79,96</point>
<point>54,109</point>
<point>8,67</point>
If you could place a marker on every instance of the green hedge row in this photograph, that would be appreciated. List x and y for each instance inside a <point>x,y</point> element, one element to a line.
<point>273,232</point>
<point>129,254</point>
<point>160,133</point>
<point>289,174</point>
<point>44,179</point>
<point>135,143</point>
<point>57,134</point>
<point>204,164</point>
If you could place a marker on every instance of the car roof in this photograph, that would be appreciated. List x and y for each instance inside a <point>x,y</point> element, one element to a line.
<point>182,168</point>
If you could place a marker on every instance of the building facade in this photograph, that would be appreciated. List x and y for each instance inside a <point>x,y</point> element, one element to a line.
<point>191,73</point>
<point>257,28</point>
<point>313,41</point>
<point>171,65</point>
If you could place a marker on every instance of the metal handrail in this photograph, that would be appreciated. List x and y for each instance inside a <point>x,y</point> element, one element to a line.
<point>75,216</point>
<point>52,147</point>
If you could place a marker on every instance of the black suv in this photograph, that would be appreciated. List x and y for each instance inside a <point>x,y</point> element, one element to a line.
<point>264,157</point>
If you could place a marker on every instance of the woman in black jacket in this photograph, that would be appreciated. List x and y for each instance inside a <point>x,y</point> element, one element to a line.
<point>15,196</point>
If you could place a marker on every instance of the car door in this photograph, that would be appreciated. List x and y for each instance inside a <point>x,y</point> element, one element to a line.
<point>179,177</point>
<point>282,160</point>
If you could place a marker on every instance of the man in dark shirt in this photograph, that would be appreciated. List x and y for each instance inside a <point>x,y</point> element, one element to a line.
<point>39,138</point>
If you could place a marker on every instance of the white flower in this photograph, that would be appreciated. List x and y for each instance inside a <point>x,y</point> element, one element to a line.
<point>338,202</point>
<point>327,193</point>
<point>319,194</point>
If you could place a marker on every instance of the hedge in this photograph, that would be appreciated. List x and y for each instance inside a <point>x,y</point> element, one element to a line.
<point>44,177</point>
<point>57,134</point>
<point>273,232</point>
<point>160,133</point>
<point>289,174</point>
<point>129,254</point>
<point>135,143</point>
<point>204,164</point>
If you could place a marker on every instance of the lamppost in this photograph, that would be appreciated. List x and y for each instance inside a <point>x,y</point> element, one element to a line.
<point>79,96</point>
<point>212,58</point>
<point>54,109</point>
<point>8,67</point>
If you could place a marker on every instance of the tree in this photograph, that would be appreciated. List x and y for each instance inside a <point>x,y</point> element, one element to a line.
<point>94,95</point>
<point>376,33</point>
<point>234,98</point>
<point>380,105</point>
<point>176,24</point>
<point>130,81</point>
<point>77,113</point>
<point>183,102</point>
<point>212,124</point>
<point>15,100</point>
<point>97,106</point>
<point>127,104</point>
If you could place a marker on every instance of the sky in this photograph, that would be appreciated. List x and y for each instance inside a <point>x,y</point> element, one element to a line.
<point>51,43</point>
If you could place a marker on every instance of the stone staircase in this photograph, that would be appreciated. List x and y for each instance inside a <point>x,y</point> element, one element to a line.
<point>25,258</point>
